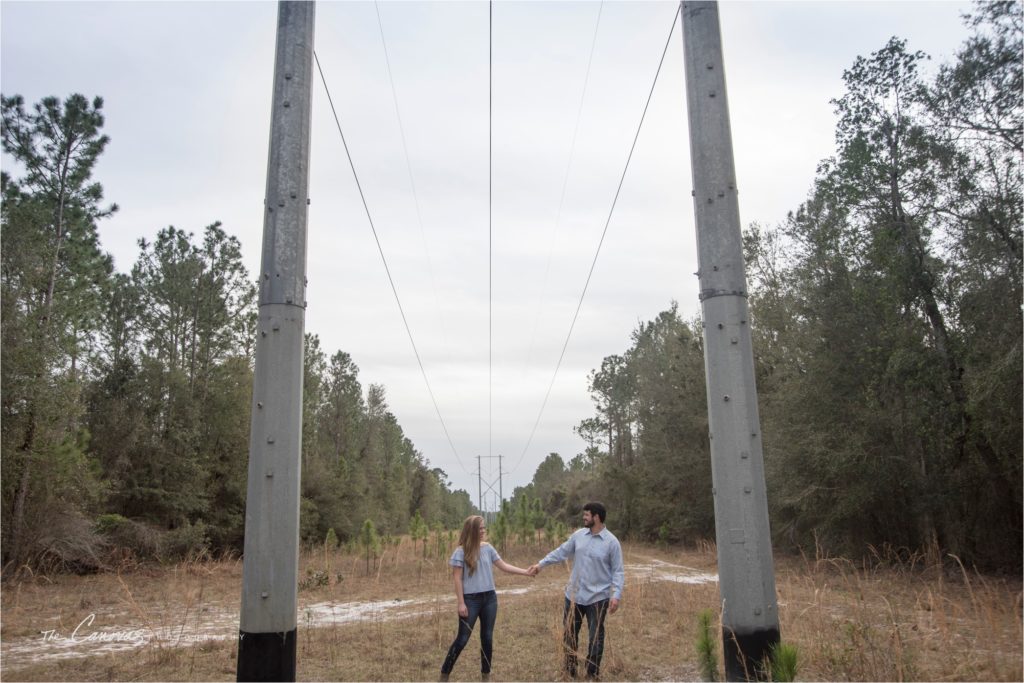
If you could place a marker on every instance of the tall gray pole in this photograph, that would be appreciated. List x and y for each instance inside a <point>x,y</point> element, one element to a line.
<point>750,619</point>
<point>266,637</point>
<point>480,485</point>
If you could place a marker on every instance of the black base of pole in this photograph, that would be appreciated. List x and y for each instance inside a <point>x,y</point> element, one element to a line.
<point>266,656</point>
<point>745,653</point>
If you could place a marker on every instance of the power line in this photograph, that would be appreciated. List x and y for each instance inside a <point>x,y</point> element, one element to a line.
<point>558,365</point>
<point>565,185</point>
<point>380,249</point>
<point>412,182</point>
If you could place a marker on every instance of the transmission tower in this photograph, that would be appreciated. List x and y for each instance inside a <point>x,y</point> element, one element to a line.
<point>489,500</point>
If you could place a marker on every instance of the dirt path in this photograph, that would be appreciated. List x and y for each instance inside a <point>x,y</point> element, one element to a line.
<point>114,631</point>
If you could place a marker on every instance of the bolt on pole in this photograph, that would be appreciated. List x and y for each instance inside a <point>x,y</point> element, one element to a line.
<point>750,620</point>
<point>267,628</point>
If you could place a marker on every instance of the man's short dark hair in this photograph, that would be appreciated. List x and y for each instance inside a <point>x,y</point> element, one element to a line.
<point>597,510</point>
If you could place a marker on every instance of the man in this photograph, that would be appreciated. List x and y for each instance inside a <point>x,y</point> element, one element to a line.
<point>595,585</point>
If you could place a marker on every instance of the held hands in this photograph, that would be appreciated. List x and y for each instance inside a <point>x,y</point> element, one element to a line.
<point>463,610</point>
<point>613,605</point>
<point>533,570</point>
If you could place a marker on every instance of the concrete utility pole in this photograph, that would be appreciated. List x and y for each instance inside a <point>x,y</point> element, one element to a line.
<point>750,618</point>
<point>266,636</point>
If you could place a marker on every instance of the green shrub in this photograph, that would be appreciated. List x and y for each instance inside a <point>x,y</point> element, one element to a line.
<point>707,656</point>
<point>309,522</point>
<point>187,541</point>
<point>370,542</point>
<point>126,539</point>
<point>663,531</point>
<point>783,662</point>
<point>110,524</point>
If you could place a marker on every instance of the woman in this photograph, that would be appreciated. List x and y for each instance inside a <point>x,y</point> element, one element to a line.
<point>472,573</point>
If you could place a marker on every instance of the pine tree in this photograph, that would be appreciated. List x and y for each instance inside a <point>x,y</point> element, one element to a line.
<point>53,279</point>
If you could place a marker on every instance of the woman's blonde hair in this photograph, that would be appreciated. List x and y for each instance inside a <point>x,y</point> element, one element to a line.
<point>469,540</point>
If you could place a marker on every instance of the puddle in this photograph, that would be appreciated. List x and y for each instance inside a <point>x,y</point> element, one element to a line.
<point>658,570</point>
<point>689,578</point>
<point>101,634</point>
<point>331,613</point>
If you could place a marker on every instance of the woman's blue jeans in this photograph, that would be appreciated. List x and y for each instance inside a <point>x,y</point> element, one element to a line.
<point>485,606</point>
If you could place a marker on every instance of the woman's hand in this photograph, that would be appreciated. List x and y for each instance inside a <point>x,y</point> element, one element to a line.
<point>511,568</point>
<point>463,610</point>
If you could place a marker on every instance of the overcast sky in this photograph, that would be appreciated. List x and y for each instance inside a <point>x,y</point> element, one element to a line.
<point>187,90</point>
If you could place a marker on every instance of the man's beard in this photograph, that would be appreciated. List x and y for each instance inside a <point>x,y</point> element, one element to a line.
<point>589,524</point>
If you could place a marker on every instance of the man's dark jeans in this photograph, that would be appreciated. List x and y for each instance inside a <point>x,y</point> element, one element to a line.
<point>482,605</point>
<point>573,619</point>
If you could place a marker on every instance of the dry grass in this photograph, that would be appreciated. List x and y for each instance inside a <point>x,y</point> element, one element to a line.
<point>889,620</point>
<point>897,619</point>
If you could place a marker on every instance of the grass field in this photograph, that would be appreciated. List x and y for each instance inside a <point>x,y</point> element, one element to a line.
<point>886,620</point>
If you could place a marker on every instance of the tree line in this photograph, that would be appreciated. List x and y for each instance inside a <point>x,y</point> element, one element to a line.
<point>886,313</point>
<point>126,396</point>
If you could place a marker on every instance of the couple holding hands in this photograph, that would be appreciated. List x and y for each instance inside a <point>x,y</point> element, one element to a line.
<point>594,589</point>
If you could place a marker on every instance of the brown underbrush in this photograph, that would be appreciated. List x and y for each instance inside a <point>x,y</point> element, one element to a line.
<point>881,620</point>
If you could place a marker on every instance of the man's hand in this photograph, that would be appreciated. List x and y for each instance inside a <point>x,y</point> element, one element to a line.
<point>534,569</point>
<point>613,605</point>
<point>463,610</point>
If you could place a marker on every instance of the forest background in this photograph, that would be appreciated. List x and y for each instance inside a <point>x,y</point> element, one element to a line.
<point>886,312</point>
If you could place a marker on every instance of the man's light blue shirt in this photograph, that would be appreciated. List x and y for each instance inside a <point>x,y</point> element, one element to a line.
<point>482,579</point>
<point>597,570</point>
